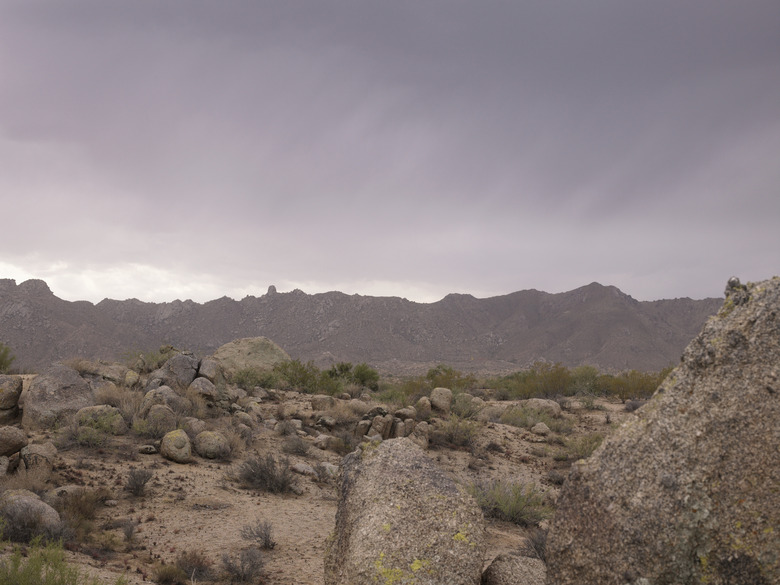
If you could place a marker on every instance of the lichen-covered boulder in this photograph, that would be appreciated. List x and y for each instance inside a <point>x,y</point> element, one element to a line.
<point>54,397</point>
<point>687,492</point>
<point>401,520</point>
<point>212,445</point>
<point>249,353</point>
<point>176,447</point>
<point>164,395</point>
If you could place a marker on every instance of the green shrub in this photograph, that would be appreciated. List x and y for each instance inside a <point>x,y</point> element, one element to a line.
<point>365,375</point>
<point>455,432</point>
<point>583,447</point>
<point>250,378</point>
<point>515,502</point>
<point>6,358</point>
<point>266,474</point>
<point>43,565</point>
<point>525,417</point>
<point>147,361</point>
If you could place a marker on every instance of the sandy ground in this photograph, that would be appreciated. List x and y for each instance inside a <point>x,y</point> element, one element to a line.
<point>197,507</point>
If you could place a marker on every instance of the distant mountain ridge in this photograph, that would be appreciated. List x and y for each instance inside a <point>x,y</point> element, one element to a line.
<point>593,324</point>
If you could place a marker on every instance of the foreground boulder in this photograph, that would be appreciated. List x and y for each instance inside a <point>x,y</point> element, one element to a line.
<point>25,516</point>
<point>688,491</point>
<point>401,520</point>
<point>54,397</point>
<point>10,391</point>
<point>12,440</point>
<point>176,447</point>
<point>249,353</point>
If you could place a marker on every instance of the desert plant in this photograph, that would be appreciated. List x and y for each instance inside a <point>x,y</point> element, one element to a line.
<point>250,378</point>
<point>147,361</point>
<point>6,358</point>
<point>536,544</point>
<point>266,474</point>
<point>455,432</point>
<point>137,480</point>
<point>515,502</point>
<point>166,574</point>
<point>35,480</point>
<point>365,375</point>
<point>463,405</point>
<point>261,532</point>
<point>583,446</point>
<point>43,565</point>
<point>247,568</point>
<point>78,509</point>
<point>296,446</point>
<point>195,565</point>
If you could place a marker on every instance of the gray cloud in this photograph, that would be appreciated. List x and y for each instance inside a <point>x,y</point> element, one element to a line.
<point>410,148</point>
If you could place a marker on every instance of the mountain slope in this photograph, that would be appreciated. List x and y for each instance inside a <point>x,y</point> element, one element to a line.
<point>594,324</point>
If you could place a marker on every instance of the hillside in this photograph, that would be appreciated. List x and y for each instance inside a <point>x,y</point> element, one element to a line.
<point>594,324</point>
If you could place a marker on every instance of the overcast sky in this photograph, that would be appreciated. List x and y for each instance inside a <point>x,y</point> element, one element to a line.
<point>164,149</point>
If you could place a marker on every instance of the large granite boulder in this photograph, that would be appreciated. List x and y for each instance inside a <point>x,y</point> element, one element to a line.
<point>54,397</point>
<point>249,353</point>
<point>178,372</point>
<point>10,391</point>
<point>12,439</point>
<point>401,520</point>
<point>176,446</point>
<point>687,492</point>
<point>25,516</point>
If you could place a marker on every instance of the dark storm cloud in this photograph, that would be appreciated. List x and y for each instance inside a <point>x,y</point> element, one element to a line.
<point>443,145</point>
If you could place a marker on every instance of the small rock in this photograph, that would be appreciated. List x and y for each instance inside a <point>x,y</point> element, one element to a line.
<point>540,429</point>
<point>147,450</point>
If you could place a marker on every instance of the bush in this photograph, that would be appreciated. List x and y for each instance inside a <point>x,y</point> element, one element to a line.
<point>78,510</point>
<point>514,502</point>
<point>536,545</point>
<point>266,474</point>
<point>169,575</point>
<point>248,568</point>
<point>195,565</point>
<point>137,480</point>
<point>455,432</point>
<point>147,361</point>
<point>296,446</point>
<point>43,565</point>
<point>249,378</point>
<point>261,532</point>
<point>365,375</point>
<point>583,447</point>
<point>6,359</point>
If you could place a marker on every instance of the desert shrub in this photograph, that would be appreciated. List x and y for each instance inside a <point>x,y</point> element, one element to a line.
<point>43,565</point>
<point>296,446</point>
<point>130,405</point>
<point>365,375</point>
<point>286,428</point>
<point>249,378</point>
<point>455,432</point>
<point>344,443</point>
<point>166,574</point>
<point>266,474</point>
<point>78,510</point>
<point>144,362</point>
<point>463,405</point>
<point>35,480</point>
<point>299,376</point>
<point>536,544</point>
<point>555,477</point>
<point>237,443</point>
<point>6,358</point>
<point>137,480</point>
<point>261,532</point>
<point>583,446</point>
<point>150,429</point>
<point>515,502</point>
<point>247,568</point>
<point>195,565</point>
<point>632,384</point>
<point>526,417</point>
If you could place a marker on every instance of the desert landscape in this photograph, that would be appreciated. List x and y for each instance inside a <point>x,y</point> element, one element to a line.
<point>247,466</point>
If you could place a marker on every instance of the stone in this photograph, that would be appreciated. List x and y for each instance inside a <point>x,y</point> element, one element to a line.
<point>441,400</point>
<point>178,372</point>
<point>160,419</point>
<point>420,434</point>
<point>303,469</point>
<point>382,426</point>
<point>509,569</point>
<point>39,456</point>
<point>147,450</point>
<point>686,490</point>
<point>204,388</point>
<point>400,519</point>
<point>10,391</point>
<point>102,417</point>
<point>540,429</point>
<point>54,397</point>
<point>543,404</point>
<point>12,439</point>
<point>212,445</point>
<point>176,447</point>
<point>362,427</point>
<point>163,395</point>
<point>18,505</point>
<point>406,412</point>
<point>193,426</point>
<point>252,352</point>
<point>322,402</point>
<point>9,415</point>
<point>211,370</point>
<point>423,408</point>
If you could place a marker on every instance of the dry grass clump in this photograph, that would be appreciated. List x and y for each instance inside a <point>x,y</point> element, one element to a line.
<point>78,510</point>
<point>137,480</point>
<point>525,418</point>
<point>261,532</point>
<point>195,565</point>
<point>583,446</point>
<point>266,474</point>
<point>455,432</point>
<point>521,503</point>
<point>296,446</point>
<point>165,574</point>
<point>36,480</point>
<point>247,568</point>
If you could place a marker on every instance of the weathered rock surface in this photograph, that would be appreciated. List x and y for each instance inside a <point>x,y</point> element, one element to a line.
<point>18,507</point>
<point>163,395</point>
<point>103,417</point>
<point>441,400</point>
<point>401,520</point>
<point>249,352</point>
<point>508,569</point>
<point>178,372</point>
<point>12,440</point>
<point>54,396</point>
<point>176,447</point>
<point>10,390</point>
<point>688,491</point>
<point>212,445</point>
